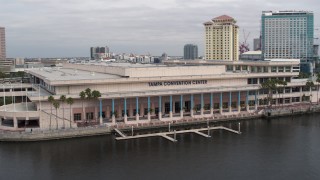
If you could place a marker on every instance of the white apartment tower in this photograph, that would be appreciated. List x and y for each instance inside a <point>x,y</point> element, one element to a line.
<point>222,39</point>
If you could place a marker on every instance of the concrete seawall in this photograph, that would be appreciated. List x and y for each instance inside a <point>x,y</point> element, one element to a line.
<point>104,130</point>
<point>53,134</point>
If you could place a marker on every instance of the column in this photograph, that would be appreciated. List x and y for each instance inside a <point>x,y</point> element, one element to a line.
<point>221,106</point>
<point>181,106</point>
<point>256,100</point>
<point>201,104</point>
<point>113,112</point>
<point>192,105</point>
<point>230,101</point>
<point>125,110</point>
<point>239,101</point>
<point>171,115</point>
<point>15,122</point>
<point>211,104</point>
<point>137,109</point>
<point>160,108</point>
<point>100,113</point>
<point>108,112</point>
<point>149,115</point>
<point>247,101</point>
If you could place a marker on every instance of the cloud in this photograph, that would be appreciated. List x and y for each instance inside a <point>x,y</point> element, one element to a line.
<point>41,28</point>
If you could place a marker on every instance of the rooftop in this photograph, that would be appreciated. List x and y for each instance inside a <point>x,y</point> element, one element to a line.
<point>61,74</point>
<point>223,17</point>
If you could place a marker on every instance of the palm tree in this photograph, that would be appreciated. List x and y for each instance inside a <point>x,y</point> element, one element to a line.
<point>82,97</point>
<point>56,105</point>
<point>270,85</point>
<point>284,84</point>
<point>70,102</point>
<point>63,100</point>
<point>88,93</point>
<point>318,81</point>
<point>310,84</point>
<point>95,94</point>
<point>50,99</point>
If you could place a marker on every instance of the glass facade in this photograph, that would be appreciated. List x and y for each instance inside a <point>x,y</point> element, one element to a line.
<point>287,35</point>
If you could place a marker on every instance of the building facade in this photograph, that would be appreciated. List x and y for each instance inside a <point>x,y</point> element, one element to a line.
<point>190,51</point>
<point>2,44</point>
<point>257,44</point>
<point>287,34</point>
<point>132,94</point>
<point>222,39</point>
<point>99,52</point>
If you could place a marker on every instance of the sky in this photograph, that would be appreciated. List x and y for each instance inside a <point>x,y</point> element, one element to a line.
<point>68,28</point>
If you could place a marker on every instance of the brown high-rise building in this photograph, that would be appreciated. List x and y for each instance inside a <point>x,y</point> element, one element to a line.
<point>2,43</point>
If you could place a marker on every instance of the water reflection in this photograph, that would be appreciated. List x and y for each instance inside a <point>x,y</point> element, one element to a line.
<point>284,148</point>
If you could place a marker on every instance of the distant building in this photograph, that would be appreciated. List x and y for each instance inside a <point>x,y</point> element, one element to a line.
<point>19,61</point>
<point>99,52</point>
<point>2,43</point>
<point>222,39</point>
<point>164,57</point>
<point>257,44</point>
<point>251,56</point>
<point>7,65</point>
<point>287,34</point>
<point>190,51</point>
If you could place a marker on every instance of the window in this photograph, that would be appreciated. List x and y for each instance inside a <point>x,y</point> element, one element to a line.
<point>252,81</point>
<point>281,69</point>
<point>229,68</point>
<point>103,114</point>
<point>288,69</point>
<point>89,115</point>
<point>77,117</point>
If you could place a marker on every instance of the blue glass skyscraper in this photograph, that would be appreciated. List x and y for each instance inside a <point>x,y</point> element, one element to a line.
<point>287,35</point>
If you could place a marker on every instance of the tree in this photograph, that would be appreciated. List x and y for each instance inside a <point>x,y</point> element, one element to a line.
<point>270,86</point>
<point>284,84</point>
<point>50,99</point>
<point>56,105</point>
<point>95,94</point>
<point>318,81</point>
<point>63,100</point>
<point>88,93</point>
<point>303,75</point>
<point>82,97</point>
<point>70,102</point>
<point>310,84</point>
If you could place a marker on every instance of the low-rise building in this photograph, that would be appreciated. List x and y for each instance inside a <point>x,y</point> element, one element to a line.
<point>139,93</point>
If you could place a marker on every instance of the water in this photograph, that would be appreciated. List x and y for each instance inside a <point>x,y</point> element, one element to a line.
<point>285,148</point>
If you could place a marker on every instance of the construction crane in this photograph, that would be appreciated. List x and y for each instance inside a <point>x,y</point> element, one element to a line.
<point>244,46</point>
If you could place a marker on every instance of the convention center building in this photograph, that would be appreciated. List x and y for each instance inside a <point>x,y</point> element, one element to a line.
<point>142,93</point>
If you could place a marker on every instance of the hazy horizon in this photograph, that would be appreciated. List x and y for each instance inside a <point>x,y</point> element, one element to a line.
<point>68,28</point>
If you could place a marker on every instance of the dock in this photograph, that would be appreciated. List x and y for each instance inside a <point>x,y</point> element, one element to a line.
<point>174,133</point>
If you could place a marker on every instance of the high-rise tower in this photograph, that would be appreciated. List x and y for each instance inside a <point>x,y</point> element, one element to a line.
<point>2,43</point>
<point>190,51</point>
<point>221,39</point>
<point>287,34</point>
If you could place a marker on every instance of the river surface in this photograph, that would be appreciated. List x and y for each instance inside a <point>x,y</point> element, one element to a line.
<point>283,148</point>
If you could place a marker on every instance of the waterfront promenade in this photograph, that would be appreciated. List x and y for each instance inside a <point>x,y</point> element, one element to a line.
<point>40,135</point>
